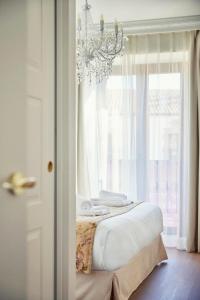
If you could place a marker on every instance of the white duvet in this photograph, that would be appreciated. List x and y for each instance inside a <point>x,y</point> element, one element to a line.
<point>118,239</point>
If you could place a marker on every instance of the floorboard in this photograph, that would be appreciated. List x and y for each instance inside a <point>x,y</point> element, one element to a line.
<point>178,279</point>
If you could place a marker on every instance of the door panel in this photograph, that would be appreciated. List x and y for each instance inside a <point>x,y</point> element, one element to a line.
<point>40,145</point>
<point>34,147</point>
<point>12,147</point>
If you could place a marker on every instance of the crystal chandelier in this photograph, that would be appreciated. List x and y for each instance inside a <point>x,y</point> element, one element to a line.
<point>96,48</point>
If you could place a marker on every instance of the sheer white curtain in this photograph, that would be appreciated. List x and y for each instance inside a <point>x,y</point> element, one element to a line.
<point>135,128</point>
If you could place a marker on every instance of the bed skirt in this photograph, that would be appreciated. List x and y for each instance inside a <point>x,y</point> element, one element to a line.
<point>120,284</point>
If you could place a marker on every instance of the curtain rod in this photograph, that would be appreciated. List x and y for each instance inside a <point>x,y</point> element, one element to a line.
<point>174,24</point>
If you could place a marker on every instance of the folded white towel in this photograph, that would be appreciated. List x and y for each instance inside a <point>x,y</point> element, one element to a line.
<point>86,205</point>
<point>115,202</point>
<point>106,194</point>
<point>99,210</point>
<point>82,201</point>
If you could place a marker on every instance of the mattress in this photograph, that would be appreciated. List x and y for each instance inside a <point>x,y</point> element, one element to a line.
<point>119,239</point>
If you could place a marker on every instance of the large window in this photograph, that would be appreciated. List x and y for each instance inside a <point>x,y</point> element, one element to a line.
<point>139,140</point>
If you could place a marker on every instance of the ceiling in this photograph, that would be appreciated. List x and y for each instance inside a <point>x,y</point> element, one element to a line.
<point>132,10</point>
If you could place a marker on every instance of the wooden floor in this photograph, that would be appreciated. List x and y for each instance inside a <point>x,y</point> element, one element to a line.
<point>178,279</point>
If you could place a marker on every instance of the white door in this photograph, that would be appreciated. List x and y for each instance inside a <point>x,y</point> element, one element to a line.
<point>27,145</point>
<point>12,148</point>
<point>40,148</point>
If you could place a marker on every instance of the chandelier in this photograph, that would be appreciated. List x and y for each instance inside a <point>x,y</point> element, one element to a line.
<point>96,48</point>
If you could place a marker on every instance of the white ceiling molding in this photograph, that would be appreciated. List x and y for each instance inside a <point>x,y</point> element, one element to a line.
<point>160,25</point>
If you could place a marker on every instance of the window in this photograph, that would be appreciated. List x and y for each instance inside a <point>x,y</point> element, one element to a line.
<point>139,140</point>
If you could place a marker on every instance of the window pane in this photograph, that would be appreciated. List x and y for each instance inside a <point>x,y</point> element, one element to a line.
<point>120,134</point>
<point>164,114</point>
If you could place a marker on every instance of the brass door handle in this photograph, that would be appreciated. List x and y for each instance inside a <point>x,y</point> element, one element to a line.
<point>17,183</point>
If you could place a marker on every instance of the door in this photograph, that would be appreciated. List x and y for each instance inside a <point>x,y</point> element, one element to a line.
<point>12,148</point>
<point>27,136</point>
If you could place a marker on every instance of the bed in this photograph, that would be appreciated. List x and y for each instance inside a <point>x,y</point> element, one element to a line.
<point>126,249</point>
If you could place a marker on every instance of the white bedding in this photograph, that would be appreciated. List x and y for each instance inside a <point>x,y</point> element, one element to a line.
<point>118,239</point>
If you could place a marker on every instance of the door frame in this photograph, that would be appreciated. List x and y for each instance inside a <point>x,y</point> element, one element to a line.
<point>65,133</point>
<point>65,190</point>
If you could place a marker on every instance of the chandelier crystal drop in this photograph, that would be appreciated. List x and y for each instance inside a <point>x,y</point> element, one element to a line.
<point>96,48</point>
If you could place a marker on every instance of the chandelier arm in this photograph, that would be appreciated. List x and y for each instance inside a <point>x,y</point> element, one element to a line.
<point>111,53</point>
<point>103,53</point>
<point>105,59</point>
<point>102,57</point>
<point>115,52</point>
<point>106,55</point>
<point>117,39</point>
<point>106,40</point>
<point>99,46</point>
<point>95,50</point>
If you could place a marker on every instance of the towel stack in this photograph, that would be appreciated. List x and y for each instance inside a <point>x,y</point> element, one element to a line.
<point>100,205</point>
<point>87,209</point>
<point>111,199</point>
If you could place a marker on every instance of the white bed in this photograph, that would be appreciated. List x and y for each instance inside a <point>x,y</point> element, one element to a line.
<point>126,249</point>
<point>118,239</point>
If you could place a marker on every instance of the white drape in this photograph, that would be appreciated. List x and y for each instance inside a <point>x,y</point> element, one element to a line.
<point>135,128</point>
<point>193,211</point>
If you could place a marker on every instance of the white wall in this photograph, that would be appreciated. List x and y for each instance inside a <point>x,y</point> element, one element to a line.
<point>132,10</point>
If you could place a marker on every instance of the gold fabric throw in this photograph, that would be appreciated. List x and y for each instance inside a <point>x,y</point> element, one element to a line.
<point>85,233</point>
